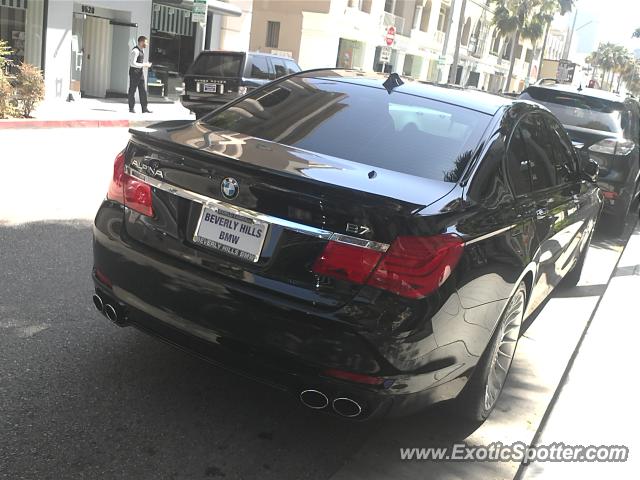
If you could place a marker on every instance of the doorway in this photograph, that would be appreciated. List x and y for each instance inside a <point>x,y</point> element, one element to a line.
<point>99,56</point>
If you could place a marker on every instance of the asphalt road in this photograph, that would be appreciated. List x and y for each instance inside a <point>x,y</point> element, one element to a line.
<point>81,398</point>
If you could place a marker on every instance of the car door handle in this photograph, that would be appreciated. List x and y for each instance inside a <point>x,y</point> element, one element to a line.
<point>541,213</point>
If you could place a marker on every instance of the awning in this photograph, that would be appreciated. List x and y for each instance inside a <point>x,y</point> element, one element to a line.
<point>172,20</point>
<point>223,8</point>
<point>21,4</point>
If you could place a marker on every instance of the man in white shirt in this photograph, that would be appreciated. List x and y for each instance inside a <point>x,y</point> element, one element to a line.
<point>136,75</point>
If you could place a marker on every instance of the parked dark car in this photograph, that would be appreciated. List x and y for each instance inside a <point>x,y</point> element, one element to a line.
<point>606,127</point>
<point>217,77</point>
<point>372,252</point>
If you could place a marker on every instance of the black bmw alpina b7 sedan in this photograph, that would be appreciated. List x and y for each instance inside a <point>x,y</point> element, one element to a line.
<point>369,245</point>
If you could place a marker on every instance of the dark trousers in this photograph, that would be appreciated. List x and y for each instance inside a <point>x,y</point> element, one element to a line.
<point>136,80</point>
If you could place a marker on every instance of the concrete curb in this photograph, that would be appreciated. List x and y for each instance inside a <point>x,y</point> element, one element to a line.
<point>35,123</point>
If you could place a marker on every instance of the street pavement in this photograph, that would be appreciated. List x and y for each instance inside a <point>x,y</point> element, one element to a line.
<point>598,402</point>
<point>81,398</point>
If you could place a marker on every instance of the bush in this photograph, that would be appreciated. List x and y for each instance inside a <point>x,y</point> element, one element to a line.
<point>29,88</point>
<point>7,102</point>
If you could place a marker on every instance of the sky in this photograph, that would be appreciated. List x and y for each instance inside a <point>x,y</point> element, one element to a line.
<point>603,21</point>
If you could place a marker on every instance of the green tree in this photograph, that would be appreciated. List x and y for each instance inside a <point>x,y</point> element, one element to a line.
<point>524,19</point>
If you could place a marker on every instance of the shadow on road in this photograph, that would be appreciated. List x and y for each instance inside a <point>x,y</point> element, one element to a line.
<point>83,398</point>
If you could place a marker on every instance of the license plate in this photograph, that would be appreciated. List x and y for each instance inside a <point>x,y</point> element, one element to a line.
<point>213,88</point>
<point>209,87</point>
<point>230,232</point>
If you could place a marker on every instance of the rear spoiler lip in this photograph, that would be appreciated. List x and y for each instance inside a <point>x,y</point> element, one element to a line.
<point>149,136</point>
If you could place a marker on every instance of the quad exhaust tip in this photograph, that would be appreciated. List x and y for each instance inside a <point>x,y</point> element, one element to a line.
<point>346,407</point>
<point>97,301</point>
<point>314,399</point>
<point>111,313</point>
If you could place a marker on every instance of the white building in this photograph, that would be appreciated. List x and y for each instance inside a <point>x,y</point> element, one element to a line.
<point>351,34</point>
<point>83,46</point>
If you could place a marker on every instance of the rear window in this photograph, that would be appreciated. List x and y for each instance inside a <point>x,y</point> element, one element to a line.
<point>578,110</point>
<point>396,131</point>
<point>217,65</point>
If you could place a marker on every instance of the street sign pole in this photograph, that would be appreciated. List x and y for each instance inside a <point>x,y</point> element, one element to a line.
<point>385,51</point>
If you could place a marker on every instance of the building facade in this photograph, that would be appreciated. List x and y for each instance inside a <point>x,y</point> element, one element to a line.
<point>351,34</point>
<point>83,47</point>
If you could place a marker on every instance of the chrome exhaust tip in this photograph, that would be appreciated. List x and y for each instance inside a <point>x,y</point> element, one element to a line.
<point>346,407</point>
<point>97,301</point>
<point>314,399</point>
<point>111,313</point>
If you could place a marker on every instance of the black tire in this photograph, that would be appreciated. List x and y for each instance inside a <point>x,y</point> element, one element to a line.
<point>480,395</point>
<point>572,278</point>
<point>619,222</point>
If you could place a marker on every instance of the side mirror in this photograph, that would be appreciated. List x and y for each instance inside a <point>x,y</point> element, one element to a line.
<point>590,169</point>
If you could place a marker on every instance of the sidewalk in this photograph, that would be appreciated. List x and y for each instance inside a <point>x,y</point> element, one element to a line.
<point>93,112</point>
<point>598,402</point>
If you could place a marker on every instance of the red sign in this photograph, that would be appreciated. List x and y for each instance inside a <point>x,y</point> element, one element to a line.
<point>390,36</point>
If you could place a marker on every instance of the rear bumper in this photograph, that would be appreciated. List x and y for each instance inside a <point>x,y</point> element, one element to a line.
<point>279,344</point>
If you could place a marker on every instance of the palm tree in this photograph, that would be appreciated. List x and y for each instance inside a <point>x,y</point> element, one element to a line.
<point>523,18</point>
<point>612,59</point>
<point>456,53</point>
<point>548,11</point>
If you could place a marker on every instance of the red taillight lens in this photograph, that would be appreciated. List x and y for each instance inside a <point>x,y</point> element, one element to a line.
<point>609,195</point>
<point>137,196</point>
<point>346,262</point>
<point>127,190</point>
<point>116,187</point>
<point>416,266</point>
<point>413,267</point>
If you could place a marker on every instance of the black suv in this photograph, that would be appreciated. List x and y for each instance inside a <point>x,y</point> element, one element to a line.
<point>217,77</point>
<point>605,127</point>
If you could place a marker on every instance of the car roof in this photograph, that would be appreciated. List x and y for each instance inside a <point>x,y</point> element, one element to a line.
<point>473,99</point>
<point>587,92</point>
<point>262,54</point>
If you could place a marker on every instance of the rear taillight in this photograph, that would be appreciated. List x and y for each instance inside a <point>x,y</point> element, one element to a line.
<point>611,146</point>
<point>125,189</point>
<point>413,267</point>
<point>346,262</point>
<point>116,187</point>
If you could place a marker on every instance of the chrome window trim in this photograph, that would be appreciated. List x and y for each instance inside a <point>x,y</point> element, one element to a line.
<point>288,224</point>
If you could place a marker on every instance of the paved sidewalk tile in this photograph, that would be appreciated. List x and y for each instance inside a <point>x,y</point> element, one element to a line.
<point>598,404</point>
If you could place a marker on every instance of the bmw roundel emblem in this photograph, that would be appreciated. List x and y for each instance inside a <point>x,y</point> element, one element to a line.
<point>230,188</point>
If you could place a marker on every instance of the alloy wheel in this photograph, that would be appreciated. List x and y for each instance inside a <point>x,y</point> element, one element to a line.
<point>503,353</point>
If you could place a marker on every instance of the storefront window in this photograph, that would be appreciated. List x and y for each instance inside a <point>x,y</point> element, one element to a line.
<point>21,25</point>
<point>171,49</point>
<point>350,54</point>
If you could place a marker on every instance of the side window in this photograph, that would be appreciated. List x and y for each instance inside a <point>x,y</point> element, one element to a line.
<point>535,135</point>
<point>632,132</point>
<point>259,67</point>
<point>278,65</point>
<point>563,152</point>
<point>518,164</point>
<point>291,67</point>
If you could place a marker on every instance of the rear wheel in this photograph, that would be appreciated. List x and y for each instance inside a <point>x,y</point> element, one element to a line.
<point>619,222</point>
<point>481,393</point>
